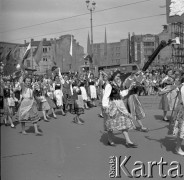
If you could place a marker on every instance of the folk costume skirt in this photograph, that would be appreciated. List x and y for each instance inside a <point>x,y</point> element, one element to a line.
<point>84,93</point>
<point>45,106</point>
<point>178,119</point>
<point>118,117</point>
<point>79,105</point>
<point>28,111</point>
<point>51,102</point>
<point>58,95</point>
<point>135,108</point>
<point>93,93</point>
<point>7,109</point>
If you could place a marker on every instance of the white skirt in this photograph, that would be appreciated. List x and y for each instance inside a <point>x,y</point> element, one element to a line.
<point>93,94</point>
<point>58,94</point>
<point>84,93</point>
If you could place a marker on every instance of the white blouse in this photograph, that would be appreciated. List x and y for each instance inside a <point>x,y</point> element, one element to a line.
<point>182,93</point>
<point>27,93</point>
<point>107,93</point>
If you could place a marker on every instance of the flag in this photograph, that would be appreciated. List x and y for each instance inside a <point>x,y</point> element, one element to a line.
<point>10,65</point>
<point>71,46</point>
<point>176,40</point>
<point>27,53</point>
<point>8,56</point>
<point>16,52</point>
<point>3,54</point>
<point>38,55</point>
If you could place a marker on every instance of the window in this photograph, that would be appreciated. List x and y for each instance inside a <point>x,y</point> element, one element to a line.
<point>148,43</point>
<point>118,61</point>
<point>44,50</point>
<point>44,59</point>
<point>117,48</point>
<point>117,54</point>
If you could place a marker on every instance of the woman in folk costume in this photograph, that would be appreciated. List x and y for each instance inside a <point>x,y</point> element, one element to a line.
<point>28,112</point>
<point>101,81</point>
<point>67,93</point>
<point>177,123</point>
<point>132,102</point>
<point>39,93</point>
<point>8,103</point>
<point>78,102</point>
<point>58,93</point>
<point>168,94</point>
<point>1,96</point>
<point>82,83</point>
<point>50,97</point>
<point>106,82</point>
<point>118,118</point>
<point>92,88</point>
<point>17,92</point>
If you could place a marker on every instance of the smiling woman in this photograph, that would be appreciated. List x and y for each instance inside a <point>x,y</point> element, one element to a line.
<point>115,112</point>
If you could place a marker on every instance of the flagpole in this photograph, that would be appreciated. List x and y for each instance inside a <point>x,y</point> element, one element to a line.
<point>31,54</point>
<point>62,63</point>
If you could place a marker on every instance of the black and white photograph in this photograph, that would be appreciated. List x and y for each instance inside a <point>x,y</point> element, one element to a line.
<point>92,89</point>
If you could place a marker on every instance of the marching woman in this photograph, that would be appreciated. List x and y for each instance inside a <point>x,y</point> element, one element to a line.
<point>105,78</point>
<point>101,84</point>
<point>133,104</point>
<point>82,84</point>
<point>9,103</point>
<point>67,101</point>
<point>92,89</point>
<point>118,118</point>
<point>39,94</point>
<point>178,119</point>
<point>78,102</point>
<point>28,112</point>
<point>1,96</point>
<point>17,92</point>
<point>168,94</point>
<point>58,93</point>
<point>50,97</point>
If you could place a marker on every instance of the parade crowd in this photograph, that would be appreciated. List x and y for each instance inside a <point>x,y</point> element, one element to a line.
<point>23,96</point>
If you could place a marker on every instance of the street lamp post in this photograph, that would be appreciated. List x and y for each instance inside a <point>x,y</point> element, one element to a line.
<point>91,8</point>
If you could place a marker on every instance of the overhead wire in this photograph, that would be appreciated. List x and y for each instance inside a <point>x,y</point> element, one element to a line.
<point>104,24</point>
<point>70,17</point>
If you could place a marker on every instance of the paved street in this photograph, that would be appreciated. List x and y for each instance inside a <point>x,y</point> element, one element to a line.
<point>68,151</point>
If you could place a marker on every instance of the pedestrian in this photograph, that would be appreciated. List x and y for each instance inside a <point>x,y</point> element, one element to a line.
<point>133,104</point>
<point>50,98</point>
<point>9,103</point>
<point>167,94</point>
<point>118,117</point>
<point>39,94</point>
<point>78,102</point>
<point>58,93</point>
<point>178,120</point>
<point>82,85</point>
<point>92,89</point>
<point>28,112</point>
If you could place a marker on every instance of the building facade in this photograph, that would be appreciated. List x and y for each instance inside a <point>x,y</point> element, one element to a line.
<point>110,54</point>
<point>142,47</point>
<point>55,52</point>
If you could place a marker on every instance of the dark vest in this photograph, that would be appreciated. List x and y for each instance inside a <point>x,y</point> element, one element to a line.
<point>115,92</point>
